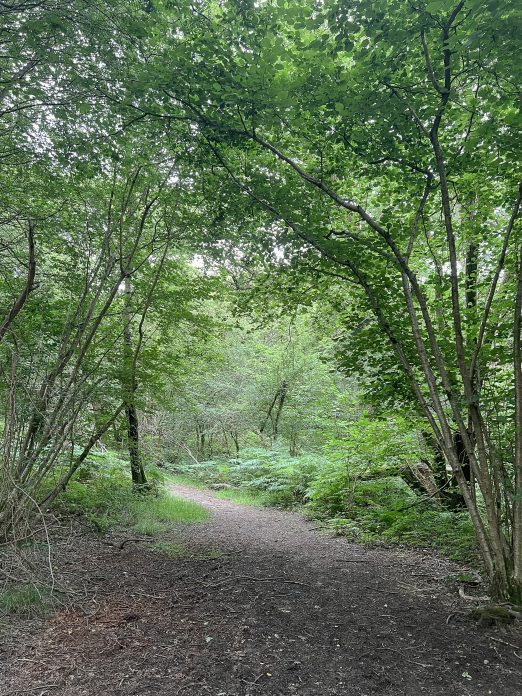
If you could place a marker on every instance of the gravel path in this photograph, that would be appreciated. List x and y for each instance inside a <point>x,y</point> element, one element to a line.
<point>262,604</point>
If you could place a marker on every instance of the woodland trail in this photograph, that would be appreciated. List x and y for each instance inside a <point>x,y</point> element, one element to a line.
<point>264,604</point>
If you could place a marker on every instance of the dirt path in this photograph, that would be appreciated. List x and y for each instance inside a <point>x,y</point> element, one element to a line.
<point>265,605</point>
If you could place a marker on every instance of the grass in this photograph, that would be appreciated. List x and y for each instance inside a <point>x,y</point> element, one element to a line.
<point>149,527</point>
<point>172,549</point>
<point>237,495</point>
<point>183,480</point>
<point>171,508</point>
<point>26,600</point>
<point>103,496</point>
<point>155,515</point>
<point>243,497</point>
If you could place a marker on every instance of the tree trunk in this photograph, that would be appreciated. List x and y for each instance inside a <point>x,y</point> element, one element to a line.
<point>282,396</point>
<point>235,437</point>
<point>19,302</point>
<point>517,503</point>
<point>139,480</point>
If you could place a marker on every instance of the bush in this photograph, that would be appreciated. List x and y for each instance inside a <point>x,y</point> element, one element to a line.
<point>387,509</point>
<point>99,493</point>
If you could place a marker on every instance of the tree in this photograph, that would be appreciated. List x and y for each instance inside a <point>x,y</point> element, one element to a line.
<point>230,395</point>
<point>382,141</point>
<point>62,352</point>
<point>82,212</point>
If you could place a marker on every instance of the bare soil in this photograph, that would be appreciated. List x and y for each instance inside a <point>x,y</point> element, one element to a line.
<point>262,604</point>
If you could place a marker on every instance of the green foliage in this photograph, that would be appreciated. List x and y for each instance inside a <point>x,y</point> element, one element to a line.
<point>101,493</point>
<point>372,446</point>
<point>244,496</point>
<point>172,549</point>
<point>283,479</point>
<point>386,509</point>
<point>207,472</point>
<point>229,396</point>
<point>149,527</point>
<point>184,480</point>
<point>159,513</point>
<point>358,157</point>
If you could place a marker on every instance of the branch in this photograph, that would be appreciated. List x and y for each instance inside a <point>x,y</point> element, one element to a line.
<point>82,457</point>
<point>494,282</point>
<point>28,287</point>
<point>418,215</point>
<point>429,65</point>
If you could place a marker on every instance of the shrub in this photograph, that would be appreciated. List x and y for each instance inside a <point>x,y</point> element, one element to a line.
<point>386,509</point>
<point>283,478</point>
<point>99,497</point>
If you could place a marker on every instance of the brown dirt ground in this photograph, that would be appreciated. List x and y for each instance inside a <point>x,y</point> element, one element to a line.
<point>264,604</point>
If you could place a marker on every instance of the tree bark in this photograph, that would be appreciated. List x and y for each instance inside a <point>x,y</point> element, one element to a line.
<point>282,397</point>
<point>517,503</point>
<point>139,480</point>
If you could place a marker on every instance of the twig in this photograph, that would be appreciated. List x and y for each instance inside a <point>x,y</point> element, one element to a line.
<point>290,582</point>
<point>351,560</point>
<point>470,598</point>
<point>504,642</point>
<point>251,683</point>
<point>413,662</point>
<point>126,541</point>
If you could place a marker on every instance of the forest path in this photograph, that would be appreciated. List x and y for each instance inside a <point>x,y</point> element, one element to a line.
<point>259,603</point>
<point>309,613</point>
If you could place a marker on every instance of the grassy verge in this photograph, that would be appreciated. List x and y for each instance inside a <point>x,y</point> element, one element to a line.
<point>184,480</point>
<point>243,496</point>
<point>156,514</point>
<point>103,496</point>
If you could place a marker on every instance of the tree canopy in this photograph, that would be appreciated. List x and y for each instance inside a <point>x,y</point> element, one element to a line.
<point>358,162</point>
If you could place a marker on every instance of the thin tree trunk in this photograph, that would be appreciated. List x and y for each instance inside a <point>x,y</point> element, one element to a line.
<point>235,437</point>
<point>139,479</point>
<point>269,413</point>
<point>28,287</point>
<point>517,504</point>
<point>282,397</point>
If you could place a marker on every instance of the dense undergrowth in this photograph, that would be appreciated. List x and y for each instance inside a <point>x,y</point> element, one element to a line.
<point>369,509</point>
